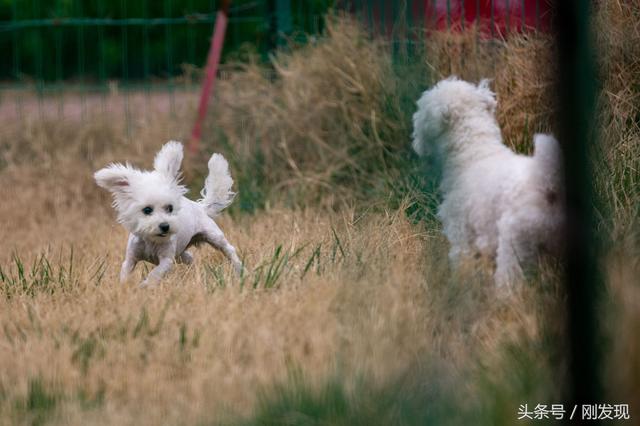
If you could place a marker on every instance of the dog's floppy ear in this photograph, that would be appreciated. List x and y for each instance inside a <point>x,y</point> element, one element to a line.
<point>169,158</point>
<point>488,96</point>
<point>115,177</point>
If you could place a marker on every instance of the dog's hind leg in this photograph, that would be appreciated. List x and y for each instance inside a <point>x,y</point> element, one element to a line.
<point>214,236</point>
<point>507,267</point>
<point>511,254</point>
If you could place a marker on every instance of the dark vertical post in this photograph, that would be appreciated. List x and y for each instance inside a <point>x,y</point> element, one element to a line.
<point>298,18</point>
<point>81,61</point>
<point>145,60</point>
<point>576,90</point>
<point>272,23</point>
<point>101,66</point>
<point>16,56</point>
<point>280,24</point>
<point>125,66</point>
<point>58,39</point>
<point>191,34</point>
<point>493,30</point>
<point>434,9</point>
<point>395,28</point>
<point>383,23</point>
<point>234,30</point>
<point>508,17</point>
<point>168,48</point>
<point>283,18</point>
<point>409,32</point>
<point>370,17</point>
<point>39,66</point>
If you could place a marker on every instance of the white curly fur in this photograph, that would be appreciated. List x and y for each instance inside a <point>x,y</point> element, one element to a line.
<point>217,194</point>
<point>496,203</point>
<point>162,222</point>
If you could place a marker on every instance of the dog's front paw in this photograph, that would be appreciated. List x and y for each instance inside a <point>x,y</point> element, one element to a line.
<point>124,277</point>
<point>239,268</point>
<point>150,281</point>
<point>186,258</point>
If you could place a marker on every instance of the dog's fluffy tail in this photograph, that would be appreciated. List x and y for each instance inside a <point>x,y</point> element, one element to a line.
<point>217,194</point>
<point>547,156</point>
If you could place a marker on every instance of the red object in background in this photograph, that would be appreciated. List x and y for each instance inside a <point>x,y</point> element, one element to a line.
<point>495,17</point>
<point>213,60</point>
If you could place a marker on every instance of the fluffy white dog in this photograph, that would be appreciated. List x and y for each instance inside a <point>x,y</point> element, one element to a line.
<point>496,204</point>
<point>162,222</point>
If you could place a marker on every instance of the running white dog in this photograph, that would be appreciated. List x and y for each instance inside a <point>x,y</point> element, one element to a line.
<point>496,204</point>
<point>162,222</point>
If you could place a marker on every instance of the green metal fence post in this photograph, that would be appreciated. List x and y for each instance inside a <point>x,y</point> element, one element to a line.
<point>125,67</point>
<point>59,81</point>
<point>370,16</point>
<point>101,59</point>
<point>145,59</point>
<point>395,26</point>
<point>410,31</point>
<point>81,61</point>
<point>382,10</point>
<point>39,67</point>
<point>16,56</point>
<point>169,57</point>
<point>577,96</point>
<point>283,21</point>
<point>190,34</point>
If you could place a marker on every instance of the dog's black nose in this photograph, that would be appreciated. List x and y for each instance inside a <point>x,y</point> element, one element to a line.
<point>164,227</point>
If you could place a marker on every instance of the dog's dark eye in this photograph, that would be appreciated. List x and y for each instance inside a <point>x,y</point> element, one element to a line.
<point>169,208</point>
<point>147,210</point>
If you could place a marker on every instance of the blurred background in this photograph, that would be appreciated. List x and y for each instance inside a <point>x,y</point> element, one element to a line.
<point>87,49</point>
<point>349,312</point>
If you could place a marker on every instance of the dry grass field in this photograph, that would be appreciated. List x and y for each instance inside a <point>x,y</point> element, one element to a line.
<point>348,312</point>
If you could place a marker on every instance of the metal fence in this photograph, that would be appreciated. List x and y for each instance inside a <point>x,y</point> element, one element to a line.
<point>61,49</point>
<point>89,49</point>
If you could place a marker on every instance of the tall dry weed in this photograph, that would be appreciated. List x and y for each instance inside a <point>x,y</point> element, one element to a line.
<point>521,67</point>
<point>324,121</point>
<point>617,166</point>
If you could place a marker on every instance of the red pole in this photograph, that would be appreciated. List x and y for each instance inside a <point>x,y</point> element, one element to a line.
<point>213,60</point>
